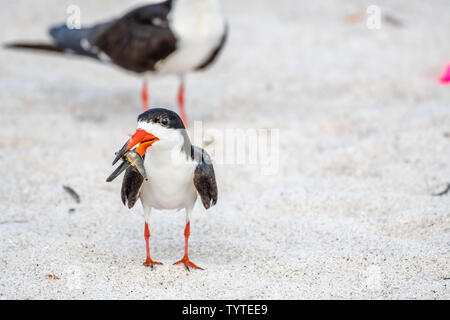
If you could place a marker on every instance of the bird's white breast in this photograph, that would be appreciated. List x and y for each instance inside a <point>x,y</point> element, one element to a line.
<point>170,179</point>
<point>199,27</point>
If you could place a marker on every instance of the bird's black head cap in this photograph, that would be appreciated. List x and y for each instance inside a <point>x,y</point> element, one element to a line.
<point>164,117</point>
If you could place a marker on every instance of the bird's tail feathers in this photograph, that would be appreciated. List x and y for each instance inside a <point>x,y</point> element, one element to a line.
<point>34,46</point>
<point>65,40</point>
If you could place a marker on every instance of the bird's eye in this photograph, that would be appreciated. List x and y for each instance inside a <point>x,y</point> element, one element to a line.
<point>165,121</point>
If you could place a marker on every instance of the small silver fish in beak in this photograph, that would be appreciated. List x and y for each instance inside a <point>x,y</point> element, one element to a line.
<point>130,158</point>
<point>135,160</point>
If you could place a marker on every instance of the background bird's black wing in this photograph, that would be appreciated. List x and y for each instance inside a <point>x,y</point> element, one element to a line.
<point>138,40</point>
<point>204,177</point>
<point>131,187</point>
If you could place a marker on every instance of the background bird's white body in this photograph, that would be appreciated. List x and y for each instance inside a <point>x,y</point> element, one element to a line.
<point>199,26</point>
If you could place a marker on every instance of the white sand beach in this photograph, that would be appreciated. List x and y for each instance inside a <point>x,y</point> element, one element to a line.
<point>364,142</point>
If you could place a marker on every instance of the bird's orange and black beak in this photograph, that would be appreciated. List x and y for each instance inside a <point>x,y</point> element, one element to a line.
<point>141,138</point>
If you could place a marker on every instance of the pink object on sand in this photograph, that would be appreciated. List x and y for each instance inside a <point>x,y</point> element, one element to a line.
<point>444,79</point>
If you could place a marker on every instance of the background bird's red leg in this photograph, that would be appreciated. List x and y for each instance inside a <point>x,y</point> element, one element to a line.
<point>181,101</point>
<point>145,96</point>
<point>149,262</point>
<point>187,263</point>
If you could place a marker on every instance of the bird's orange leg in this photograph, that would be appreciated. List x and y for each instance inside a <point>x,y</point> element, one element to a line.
<point>187,263</point>
<point>181,101</point>
<point>149,262</point>
<point>145,96</point>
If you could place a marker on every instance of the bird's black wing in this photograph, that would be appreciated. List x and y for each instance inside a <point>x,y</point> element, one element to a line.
<point>136,41</point>
<point>204,177</point>
<point>131,187</point>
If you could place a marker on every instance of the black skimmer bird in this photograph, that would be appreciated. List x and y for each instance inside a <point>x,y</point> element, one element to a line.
<point>176,172</point>
<point>170,37</point>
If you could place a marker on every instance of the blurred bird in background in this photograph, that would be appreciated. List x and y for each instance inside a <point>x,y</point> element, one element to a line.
<point>172,37</point>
